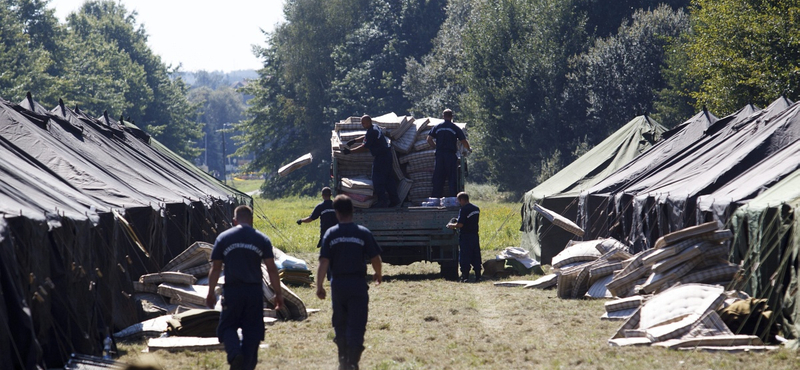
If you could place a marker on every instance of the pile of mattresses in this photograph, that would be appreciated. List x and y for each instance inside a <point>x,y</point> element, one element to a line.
<point>177,281</point>
<point>605,268</point>
<point>173,301</point>
<point>672,295</point>
<point>292,270</point>
<point>688,316</point>
<point>413,158</point>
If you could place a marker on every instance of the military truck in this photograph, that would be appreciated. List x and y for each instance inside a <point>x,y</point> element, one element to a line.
<point>411,232</point>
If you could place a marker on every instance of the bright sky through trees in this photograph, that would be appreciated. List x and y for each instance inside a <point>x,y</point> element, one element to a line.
<point>200,34</point>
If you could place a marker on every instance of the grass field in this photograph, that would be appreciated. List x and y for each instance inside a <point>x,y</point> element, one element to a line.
<point>420,321</point>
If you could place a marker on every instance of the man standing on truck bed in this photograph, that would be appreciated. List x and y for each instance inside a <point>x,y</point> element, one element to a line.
<point>468,241</point>
<point>344,248</point>
<point>378,144</point>
<point>444,137</point>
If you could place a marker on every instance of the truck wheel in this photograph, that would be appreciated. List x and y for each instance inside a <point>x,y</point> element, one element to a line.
<point>449,270</point>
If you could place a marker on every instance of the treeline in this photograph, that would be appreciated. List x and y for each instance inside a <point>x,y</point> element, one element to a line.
<point>539,81</point>
<point>97,61</point>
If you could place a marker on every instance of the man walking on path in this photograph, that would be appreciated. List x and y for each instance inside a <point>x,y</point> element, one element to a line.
<point>468,241</point>
<point>324,212</point>
<point>242,249</point>
<point>344,248</point>
<point>383,182</point>
<point>444,137</point>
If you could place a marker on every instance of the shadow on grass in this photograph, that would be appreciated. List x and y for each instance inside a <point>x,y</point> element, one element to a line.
<point>413,277</point>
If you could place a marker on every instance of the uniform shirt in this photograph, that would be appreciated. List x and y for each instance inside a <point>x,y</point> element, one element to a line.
<point>377,143</point>
<point>347,246</point>
<point>326,214</point>
<point>447,135</point>
<point>242,248</point>
<point>468,216</point>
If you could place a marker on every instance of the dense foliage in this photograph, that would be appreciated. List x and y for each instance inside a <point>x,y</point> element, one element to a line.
<point>538,81</point>
<point>515,70</point>
<point>97,61</point>
<point>743,52</point>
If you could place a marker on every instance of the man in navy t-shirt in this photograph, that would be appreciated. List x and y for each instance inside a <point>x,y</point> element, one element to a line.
<point>383,182</point>
<point>242,249</point>
<point>445,137</point>
<point>468,241</point>
<point>345,247</point>
<point>324,212</point>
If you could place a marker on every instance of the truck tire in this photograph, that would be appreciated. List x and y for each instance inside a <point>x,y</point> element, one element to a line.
<point>449,270</point>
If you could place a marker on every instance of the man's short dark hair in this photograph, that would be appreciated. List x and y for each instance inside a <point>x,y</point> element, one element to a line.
<point>447,113</point>
<point>243,211</point>
<point>343,205</point>
<point>326,191</point>
<point>463,196</point>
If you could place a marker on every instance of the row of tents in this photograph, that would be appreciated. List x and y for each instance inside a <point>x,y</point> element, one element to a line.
<point>643,182</point>
<point>88,205</point>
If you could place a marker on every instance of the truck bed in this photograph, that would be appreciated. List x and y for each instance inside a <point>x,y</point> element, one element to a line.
<point>412,234</point>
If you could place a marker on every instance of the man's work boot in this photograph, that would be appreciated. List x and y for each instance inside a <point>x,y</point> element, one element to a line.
<point>342,349</point>
<point>354,356</point>
<point>478,276</point>
<point>238,362</point>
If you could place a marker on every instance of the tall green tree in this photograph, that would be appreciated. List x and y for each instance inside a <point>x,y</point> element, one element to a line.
<point>604,17</point>
<point>675,103</point>
<point>743,51</point>
<point>27,35</point>
<point>330,60</point>
<point>517,53</point>
<point>107,34</point>
<point>435,80</point>
<point>620,76</point>
<point>219,110</point>
<point>290,113</point>
<point>371,63</point>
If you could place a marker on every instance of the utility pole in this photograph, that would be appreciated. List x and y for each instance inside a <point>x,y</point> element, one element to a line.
<point>224,155</point>
<point>224,158</point>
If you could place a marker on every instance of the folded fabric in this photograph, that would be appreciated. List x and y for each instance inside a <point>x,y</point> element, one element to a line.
<point>356,183</point>
<point>518,254</point>
<point>356,197</point>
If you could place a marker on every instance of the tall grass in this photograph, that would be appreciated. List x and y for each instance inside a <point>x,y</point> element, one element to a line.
<point>277,218</point>
<point>499,226</point>
<point>245,186</point>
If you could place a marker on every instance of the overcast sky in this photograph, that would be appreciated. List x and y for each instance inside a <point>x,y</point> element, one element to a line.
<point>201,34</point>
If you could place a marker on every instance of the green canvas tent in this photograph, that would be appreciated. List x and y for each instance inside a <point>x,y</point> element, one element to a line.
<point>560,192</point>
<point>767,243</point>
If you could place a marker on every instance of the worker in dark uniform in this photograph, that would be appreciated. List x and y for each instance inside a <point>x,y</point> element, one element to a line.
<point>324,212</point>
<point>444,137</point>
<point>468,241</point>
<point>242,249</point>
<point>344,248</point>
<point>383,182</point>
